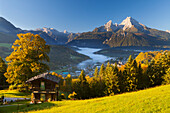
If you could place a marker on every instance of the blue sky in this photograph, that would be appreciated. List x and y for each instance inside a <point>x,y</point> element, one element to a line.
<point>84,15</point>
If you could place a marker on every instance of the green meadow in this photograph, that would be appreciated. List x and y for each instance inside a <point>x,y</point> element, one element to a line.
<point>152,100</point>
<point>8,45</point>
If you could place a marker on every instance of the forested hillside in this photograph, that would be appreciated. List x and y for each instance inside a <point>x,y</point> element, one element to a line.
<point>146,57</point>
<point>63,56</point>
<point>111,79</point>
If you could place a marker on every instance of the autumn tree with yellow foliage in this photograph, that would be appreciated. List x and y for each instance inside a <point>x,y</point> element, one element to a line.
<point>27,59</point>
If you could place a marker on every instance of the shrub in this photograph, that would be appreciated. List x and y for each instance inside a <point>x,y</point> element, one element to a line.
<point>62,96</point>
<point>32,97</point>
<point>42,100</point>
<point>49,100</point>
<point>112,94</point>
<point>72,96</point>
<point>22,88</point>
<point>12,87</point>
<point>19,87</point>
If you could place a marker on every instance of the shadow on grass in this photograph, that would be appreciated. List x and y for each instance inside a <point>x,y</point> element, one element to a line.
<point>27,108</point>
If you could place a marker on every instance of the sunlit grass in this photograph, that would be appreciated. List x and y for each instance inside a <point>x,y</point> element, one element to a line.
<point>14,94</point>
<point>148,101</point>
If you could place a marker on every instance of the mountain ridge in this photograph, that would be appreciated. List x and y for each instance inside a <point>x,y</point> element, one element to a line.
<point>107,34</point>
<point>7,27</point>
<point>128,33</point>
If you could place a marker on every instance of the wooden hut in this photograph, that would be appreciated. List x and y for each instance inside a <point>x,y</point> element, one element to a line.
<point>44,86</point>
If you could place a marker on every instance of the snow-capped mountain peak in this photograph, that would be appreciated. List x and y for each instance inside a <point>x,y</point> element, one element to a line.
<point>66,32</point>
<point>109,25</point>
<point>129,22</point>
<point>116,24</point>
<point>47,30</point>
<point>58,36</point>
<point>168,31</point>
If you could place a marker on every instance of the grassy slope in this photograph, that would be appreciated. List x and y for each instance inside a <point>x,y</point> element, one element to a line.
<point>7,38</point>
<point>150,100</point>
<point>14,93</point>
<point>5,49</point>
<point>8,45</point>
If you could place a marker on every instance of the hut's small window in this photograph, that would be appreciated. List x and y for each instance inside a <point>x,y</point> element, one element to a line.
<point>42,85</point>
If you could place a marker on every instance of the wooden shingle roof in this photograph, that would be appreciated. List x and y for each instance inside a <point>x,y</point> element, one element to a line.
<point>47,76</point>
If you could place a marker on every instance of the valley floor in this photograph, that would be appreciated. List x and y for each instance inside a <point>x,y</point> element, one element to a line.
<point>150,100</point>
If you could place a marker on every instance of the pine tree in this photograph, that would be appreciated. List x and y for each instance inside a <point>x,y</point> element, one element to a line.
<point>165,60</point>
<point>116,78</point>
<point>96,72</point>
<point>130,60</point>
<point>3,68</point>
<point>158,67</point>
<point>68,83</point>
<point>82,76</point>
<point>132,76</point>
<point>107,69</point>
<point>111,79</point>
<point>100,83</point>
<point>115,67</point>
<point>101,72</point>
<point>142,78</point>
<point>131,73</point>
<point>93,87</point>
<point>128,64</point>
<point>123,83</point>
<point>82,85</point>
<point>166,77</point>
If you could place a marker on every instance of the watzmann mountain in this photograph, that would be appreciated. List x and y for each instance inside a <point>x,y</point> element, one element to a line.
<point>129,24</point>
<point>128,33</point>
